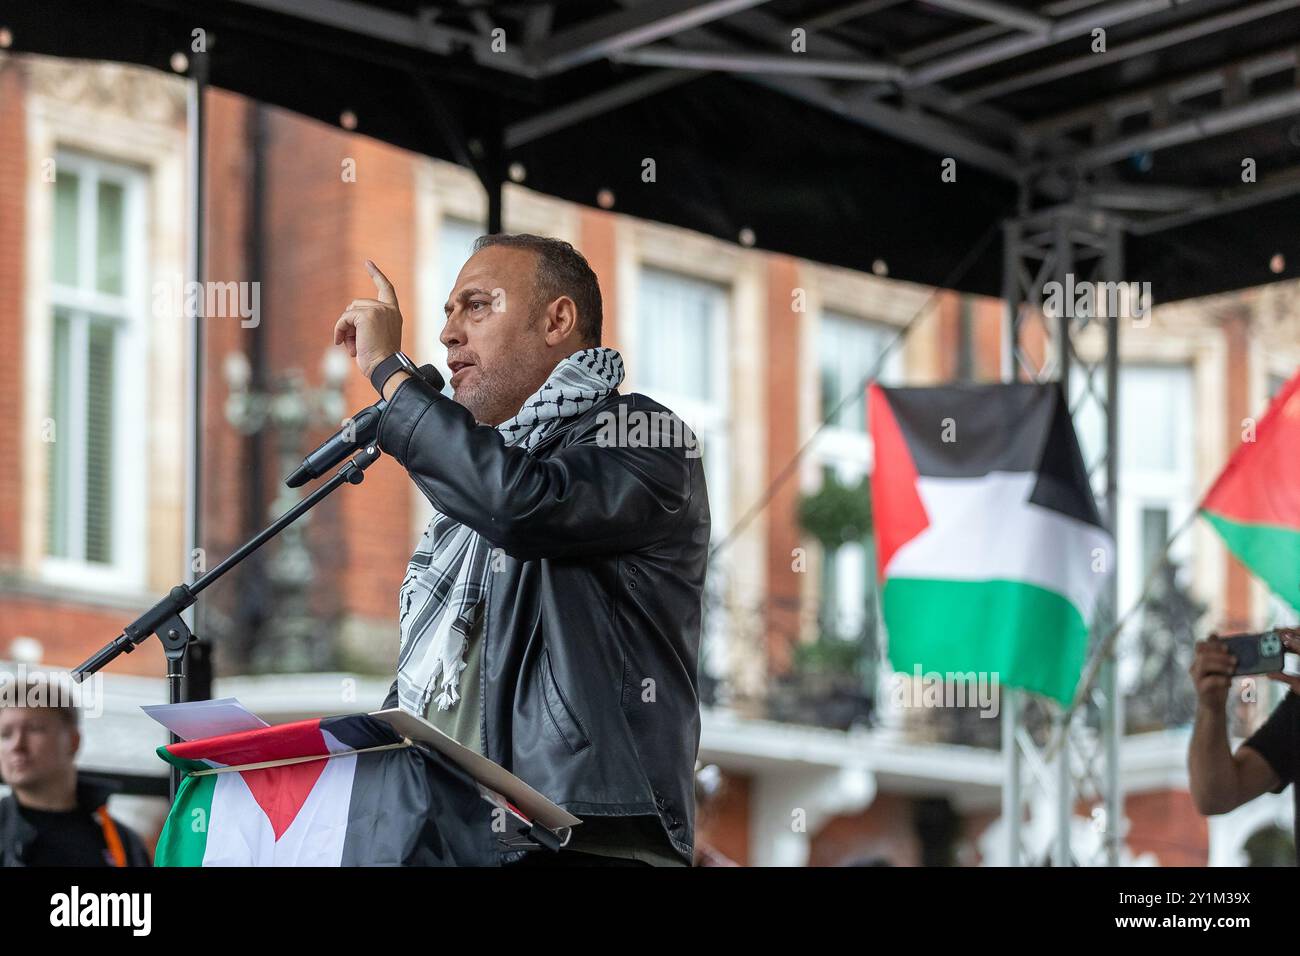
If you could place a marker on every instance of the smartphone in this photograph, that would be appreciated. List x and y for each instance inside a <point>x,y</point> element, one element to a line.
<point>1261,653</point>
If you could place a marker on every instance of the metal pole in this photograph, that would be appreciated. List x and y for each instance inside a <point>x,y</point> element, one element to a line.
<point>1011,780</point>
<point>491,167</point>
<point>196,142</point>
<point>1054,241</point>
<point>494,189</point>
<point>1064,799</point>
<point>1010,297</point>
<point>1063,254</point>
<point>1010,698</point>
<point>1113,719</point>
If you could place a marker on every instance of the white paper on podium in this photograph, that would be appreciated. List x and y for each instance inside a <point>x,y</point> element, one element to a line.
<point>535,806</point>
<point>196,719</point>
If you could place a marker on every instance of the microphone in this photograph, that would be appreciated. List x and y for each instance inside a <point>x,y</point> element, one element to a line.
<point>361,431</point>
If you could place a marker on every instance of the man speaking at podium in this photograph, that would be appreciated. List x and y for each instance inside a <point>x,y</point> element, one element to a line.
<point>550,616</point>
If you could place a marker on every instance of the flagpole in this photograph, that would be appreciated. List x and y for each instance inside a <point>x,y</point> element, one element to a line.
<point>1064,252</point>
<point>1011,769</point>
<point>1011,810</point>
<point>1112,718</point>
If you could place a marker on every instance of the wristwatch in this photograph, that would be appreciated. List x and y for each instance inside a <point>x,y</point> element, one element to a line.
<point>397,362</point>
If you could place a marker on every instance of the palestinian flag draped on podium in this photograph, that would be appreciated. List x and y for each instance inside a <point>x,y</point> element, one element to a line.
<point>990,551</point>
<point>336,791</point>
<point>1254,504</point>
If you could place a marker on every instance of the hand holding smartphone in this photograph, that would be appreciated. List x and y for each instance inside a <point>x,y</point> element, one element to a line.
<point>1259,653</point>
<point>1263,652</point>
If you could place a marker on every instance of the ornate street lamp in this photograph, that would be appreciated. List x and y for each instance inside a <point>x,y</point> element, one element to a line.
<point>290,407</point>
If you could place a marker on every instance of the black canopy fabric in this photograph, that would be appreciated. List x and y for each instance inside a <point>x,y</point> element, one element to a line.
<point>841,170</point>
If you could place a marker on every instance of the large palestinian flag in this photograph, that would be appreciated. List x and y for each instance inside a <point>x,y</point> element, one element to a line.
<point>368,798</point>
<point>990,550</point>
<point>1255,502</point>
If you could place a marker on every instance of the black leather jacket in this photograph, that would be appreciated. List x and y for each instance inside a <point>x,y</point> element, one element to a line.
<point>592,627</point>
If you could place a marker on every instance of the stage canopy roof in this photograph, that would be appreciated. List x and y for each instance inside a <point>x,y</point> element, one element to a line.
<point>811,127</point>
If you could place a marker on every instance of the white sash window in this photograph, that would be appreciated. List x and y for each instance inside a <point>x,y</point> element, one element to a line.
<point>96,410</point>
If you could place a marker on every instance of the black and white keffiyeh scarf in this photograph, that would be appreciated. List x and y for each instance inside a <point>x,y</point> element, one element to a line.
<point>442,594</point>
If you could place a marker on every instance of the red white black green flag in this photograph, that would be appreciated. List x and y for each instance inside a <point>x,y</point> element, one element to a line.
<point>1254,504</point>
<point>990,550</point>
<point>338,791</point>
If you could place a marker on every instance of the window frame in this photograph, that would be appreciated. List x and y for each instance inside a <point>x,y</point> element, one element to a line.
<point>851,454</point>
<point>1141,488</point>
<point>126,313</point>
<point>710,420</point>
<point>712,416</point>
<point>448,223</point>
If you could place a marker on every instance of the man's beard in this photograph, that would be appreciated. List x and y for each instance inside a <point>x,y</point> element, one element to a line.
<point>498,393</point>
<point>495,396</point>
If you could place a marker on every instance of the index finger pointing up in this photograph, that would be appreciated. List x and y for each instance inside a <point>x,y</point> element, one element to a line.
<point>384,289</point>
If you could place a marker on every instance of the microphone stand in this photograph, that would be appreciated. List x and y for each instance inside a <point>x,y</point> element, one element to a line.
<point>164,618</point>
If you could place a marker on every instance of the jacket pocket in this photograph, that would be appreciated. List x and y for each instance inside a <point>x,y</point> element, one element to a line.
<point>557,709</point>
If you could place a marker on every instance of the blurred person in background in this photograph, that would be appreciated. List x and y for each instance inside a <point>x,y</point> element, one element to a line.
<point>51,818</point>
<point>1222,780</point>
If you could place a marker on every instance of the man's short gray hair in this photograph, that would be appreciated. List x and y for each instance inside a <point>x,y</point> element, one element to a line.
<point>561,270</point>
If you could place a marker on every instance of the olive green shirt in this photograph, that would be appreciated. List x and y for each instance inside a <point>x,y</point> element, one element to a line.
<point>633,838</point>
